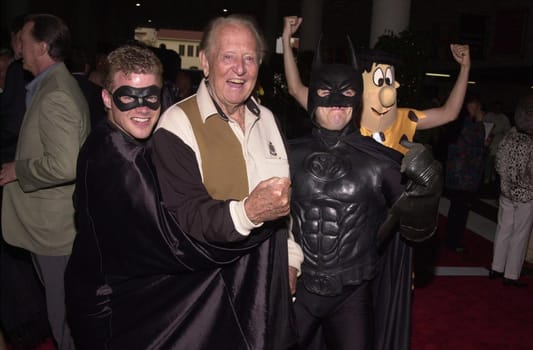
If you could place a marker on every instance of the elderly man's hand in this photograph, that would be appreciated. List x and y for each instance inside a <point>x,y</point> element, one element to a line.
<point>269,200</point>
<point>7,173</point>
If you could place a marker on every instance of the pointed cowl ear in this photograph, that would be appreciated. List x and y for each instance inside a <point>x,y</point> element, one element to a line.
<point>317,60</point>
<point>352,53</point>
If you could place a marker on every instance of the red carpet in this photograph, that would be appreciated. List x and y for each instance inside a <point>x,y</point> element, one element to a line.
<point>48,344</point>
<point>471,313</point>
<point>463,313</point>
<point>432,252</point>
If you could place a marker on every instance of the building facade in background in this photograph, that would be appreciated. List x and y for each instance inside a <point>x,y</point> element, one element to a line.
<point>185,42</point>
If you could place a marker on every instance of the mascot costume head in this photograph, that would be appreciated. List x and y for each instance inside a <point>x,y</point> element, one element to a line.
<point>381,118</point>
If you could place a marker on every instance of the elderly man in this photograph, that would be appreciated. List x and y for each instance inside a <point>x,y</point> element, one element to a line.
<point>223,170</point>
<point>37,210</point>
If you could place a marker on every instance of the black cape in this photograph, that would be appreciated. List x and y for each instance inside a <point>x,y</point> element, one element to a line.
<point>391,288</point>
<point>135,280</point>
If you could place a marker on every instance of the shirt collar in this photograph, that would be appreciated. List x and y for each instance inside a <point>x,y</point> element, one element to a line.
<point>208,107</point>
<point>33,85</point>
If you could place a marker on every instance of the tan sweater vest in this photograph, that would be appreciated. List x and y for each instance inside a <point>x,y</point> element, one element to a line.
<point>223,165</point>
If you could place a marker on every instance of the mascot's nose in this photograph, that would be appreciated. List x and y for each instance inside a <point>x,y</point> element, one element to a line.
<point>387,96</point>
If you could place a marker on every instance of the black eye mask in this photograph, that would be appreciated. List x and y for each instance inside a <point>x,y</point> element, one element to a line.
<point>139,96</point>
<point>335,78</point>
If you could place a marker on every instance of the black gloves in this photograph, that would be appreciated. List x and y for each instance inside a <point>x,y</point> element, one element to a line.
<point>416,210</point>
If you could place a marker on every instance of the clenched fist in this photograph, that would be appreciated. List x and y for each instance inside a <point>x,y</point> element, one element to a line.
<point>269,200</point>
<point>290,26</point>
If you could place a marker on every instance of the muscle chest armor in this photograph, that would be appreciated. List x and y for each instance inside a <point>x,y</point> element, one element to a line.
<point>337,207</point>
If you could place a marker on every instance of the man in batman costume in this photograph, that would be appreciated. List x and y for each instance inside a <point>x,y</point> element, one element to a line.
<point>135,279</point>
<point>350,196</point>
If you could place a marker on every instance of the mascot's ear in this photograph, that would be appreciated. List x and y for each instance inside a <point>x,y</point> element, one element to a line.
<point>317,60</point>
<point>352,53</point>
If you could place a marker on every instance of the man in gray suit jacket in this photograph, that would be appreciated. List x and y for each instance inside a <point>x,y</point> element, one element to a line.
<point>37,209</point>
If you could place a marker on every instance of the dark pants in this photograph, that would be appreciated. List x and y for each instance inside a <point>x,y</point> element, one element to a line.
<point>23,317</point>
<point>460,205</point>
<point>51,271</point>
<point>344,319</point>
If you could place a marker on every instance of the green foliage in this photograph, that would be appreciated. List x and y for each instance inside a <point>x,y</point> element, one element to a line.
<point>411,50</point>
